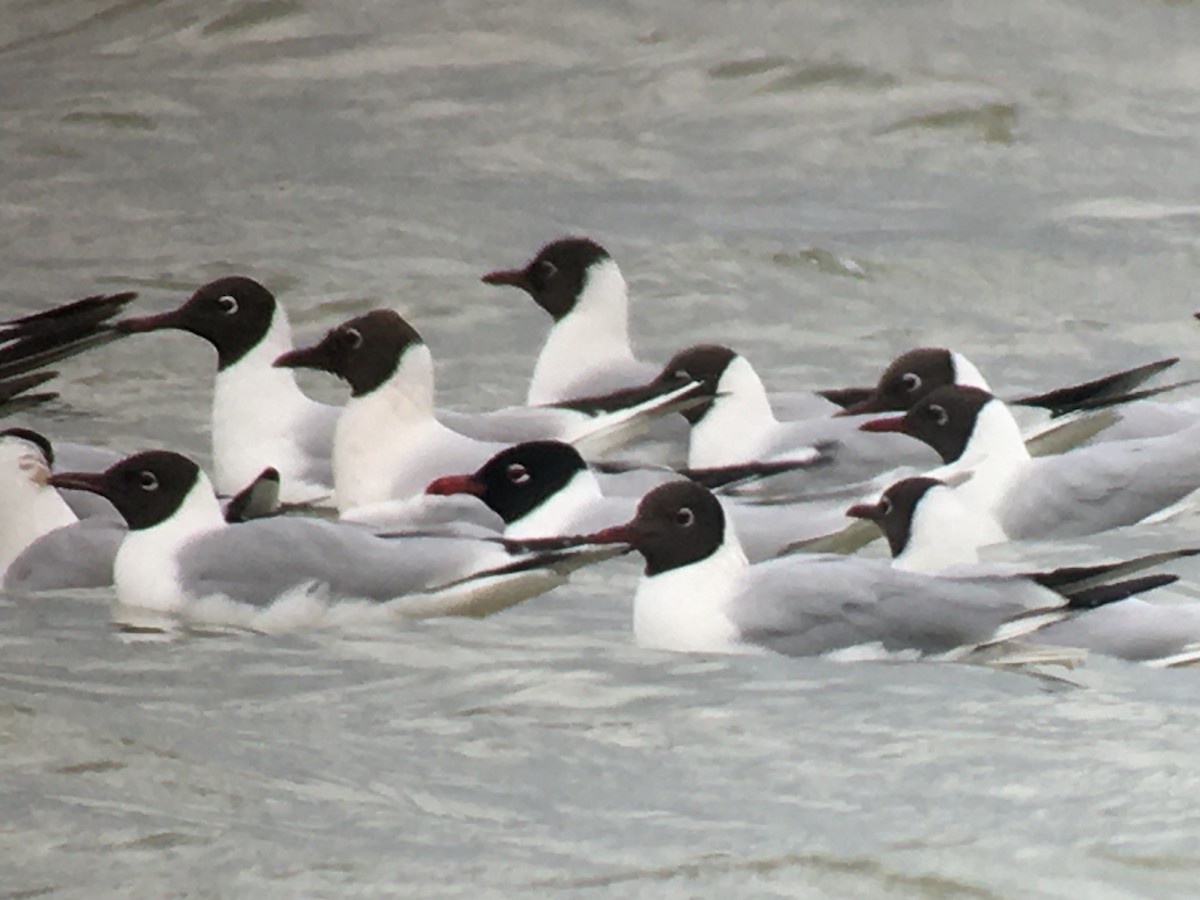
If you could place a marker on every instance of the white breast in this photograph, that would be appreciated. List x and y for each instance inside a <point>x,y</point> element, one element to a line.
<point>946,533</point>
<point>738,425</point>
<point>593,337</point>
<point>257,409</point>
<point>388,445</point>
<point>685,609</point>
<point>146,571</point>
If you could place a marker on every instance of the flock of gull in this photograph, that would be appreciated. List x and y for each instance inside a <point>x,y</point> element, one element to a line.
<point>393,506</point>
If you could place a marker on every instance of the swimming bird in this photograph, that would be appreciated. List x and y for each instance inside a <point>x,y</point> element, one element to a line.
<point>736,425</point>
<point>698,593</point>
<point>389,442</point>
<point>1083,491</point>
<point>587,352</point>
<point>929,530</point>
<point>43,544</point>
<point>181,557</point>
<point>261,417</point>
<point>545,489</point>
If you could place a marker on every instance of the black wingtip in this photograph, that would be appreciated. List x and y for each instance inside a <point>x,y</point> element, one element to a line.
<point>846,397</point>
<point>1099,392</point>
<point>1121,590</point>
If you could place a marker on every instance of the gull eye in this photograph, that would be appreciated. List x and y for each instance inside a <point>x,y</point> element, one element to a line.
<point>147,480</point>
<point>885,506</point>
<point>547,269</point>
<point>684,517</point>
<point>939,414</point>
<point>911,381</point>
<point>228,304</point>
<point>517,473</point>
<point>352,337</point>
<point>682,374</point>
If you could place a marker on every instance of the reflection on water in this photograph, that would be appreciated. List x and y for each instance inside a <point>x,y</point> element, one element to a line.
<point>820,186</point>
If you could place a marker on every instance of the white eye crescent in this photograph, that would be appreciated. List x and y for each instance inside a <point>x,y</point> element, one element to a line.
<point>354,337</point>
<point>228,304</point>
<point>939,414</point>
<point>685,517</point>
<point>885,506</point>
<point>148,481</point>
<point>517,473</point>
<point>548,269</point>
<point>911,381</point>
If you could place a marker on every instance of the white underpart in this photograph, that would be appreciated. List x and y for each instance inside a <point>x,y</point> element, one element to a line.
<point>556,515</point>
<point>388,445</point>
<point>737,424</point>
<point>945,532</point>
<point>146,572</point>
<point>686,609</point>
<point>592,336</point>
<point>29,507</point>
<point>304,606</point>
<point>966,374</point>
<point>256,410</point>
<point>995,455</point>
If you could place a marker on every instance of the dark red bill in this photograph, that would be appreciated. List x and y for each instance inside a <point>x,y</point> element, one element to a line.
<point>448,485</point>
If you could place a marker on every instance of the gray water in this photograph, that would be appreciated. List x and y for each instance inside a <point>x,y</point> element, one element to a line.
<point>819,185</point>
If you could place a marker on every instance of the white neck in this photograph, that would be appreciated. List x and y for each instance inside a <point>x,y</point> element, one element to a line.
<point>966,374</point>
<point>558,513</point>
<point>946,533</point>
<point>254,414</point>
<point>592,336</point>
<point>737,423</point>
<point>995,455</point>
<point>146,570</point>
<point>377,432</point>
<point>686,609</point>
<point>28,507</point>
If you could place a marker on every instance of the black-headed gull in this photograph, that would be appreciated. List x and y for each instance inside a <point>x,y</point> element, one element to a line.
<point>43,544</point>
<point>1083,491</point>
<point>587,352</point>
<point>545,489</point>
<point>181,557</point>
<point>389,443</point>
<point>698,593</point>
<point>260,417</point>
<point>736,425</point>
<point>929,530</point>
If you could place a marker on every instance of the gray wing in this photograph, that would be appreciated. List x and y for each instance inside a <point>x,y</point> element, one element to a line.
<point>810,605</point>
<point>1132,629</point>
<point>512,425</point>
<point>257,561</point>
<point>857,450</point>
<point>766,530</point>
<point>1151,419</point>
<point>456,515</point>
<point>1103,486</point>
<point>74,556</point>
